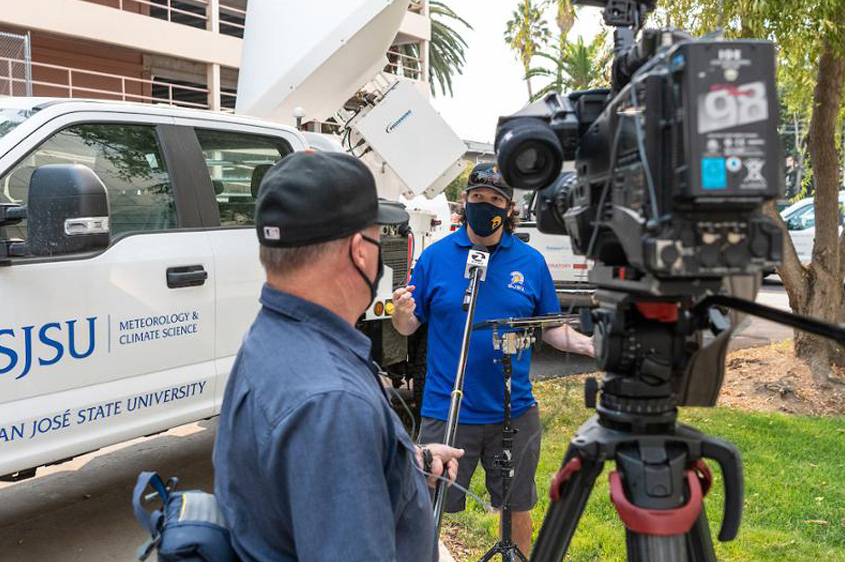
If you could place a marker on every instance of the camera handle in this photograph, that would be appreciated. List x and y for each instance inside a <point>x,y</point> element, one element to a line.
<point>820,328</point>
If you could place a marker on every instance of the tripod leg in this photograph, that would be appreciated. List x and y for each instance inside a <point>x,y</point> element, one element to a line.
<point>490,553</point>
<point>695,546</point>
<point>652,548</point>
<point>699,541</point>
<point>564,513</point>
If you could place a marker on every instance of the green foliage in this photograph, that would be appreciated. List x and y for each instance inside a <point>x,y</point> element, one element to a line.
<point>565,17</point>
<point>526,33</point>
<point>793,497</point>
<point>572,66</point>
<point>456,187</point>
<point>447,47</point>
<point>800,30</point>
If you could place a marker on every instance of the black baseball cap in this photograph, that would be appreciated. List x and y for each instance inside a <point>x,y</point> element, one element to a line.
<point>314,197</point>
<point>488,174</point>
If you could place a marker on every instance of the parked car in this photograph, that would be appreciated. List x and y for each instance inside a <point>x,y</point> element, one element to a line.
<point>800,218</point>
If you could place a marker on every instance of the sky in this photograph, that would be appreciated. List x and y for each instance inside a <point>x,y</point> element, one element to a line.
<point>491,84</point>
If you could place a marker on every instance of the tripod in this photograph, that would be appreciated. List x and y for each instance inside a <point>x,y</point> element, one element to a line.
<point>511,343</point>
<point>646,347</point>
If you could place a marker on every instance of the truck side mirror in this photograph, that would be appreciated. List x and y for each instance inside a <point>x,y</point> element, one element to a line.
<point>68,211</point>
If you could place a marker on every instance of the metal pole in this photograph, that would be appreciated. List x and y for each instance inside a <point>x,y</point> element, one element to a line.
<point>27,57</point>
<point>506,462</point>
<point>457,396</point>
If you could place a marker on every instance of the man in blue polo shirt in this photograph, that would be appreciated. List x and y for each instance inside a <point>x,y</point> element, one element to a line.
<point>518,284</point>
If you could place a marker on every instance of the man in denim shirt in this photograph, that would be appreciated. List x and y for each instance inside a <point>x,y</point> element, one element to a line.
<point>311,463</point>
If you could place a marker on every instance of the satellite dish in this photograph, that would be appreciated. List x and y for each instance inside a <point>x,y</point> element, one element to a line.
<point>312,55</point>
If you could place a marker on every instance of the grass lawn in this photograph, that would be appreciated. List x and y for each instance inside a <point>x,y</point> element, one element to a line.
<point>794,486</point>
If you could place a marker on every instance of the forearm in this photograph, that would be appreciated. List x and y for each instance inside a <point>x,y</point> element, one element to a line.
<point>566,339</point>
<point>405,324</point>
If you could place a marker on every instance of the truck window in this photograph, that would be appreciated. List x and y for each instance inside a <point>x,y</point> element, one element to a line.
<point>236,163</point>
<point>127,158</point>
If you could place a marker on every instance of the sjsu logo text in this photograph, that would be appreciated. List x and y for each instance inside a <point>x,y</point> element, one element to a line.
<point>47,344</point>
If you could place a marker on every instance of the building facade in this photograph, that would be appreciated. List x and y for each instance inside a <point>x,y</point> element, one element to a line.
<point>180,52</point>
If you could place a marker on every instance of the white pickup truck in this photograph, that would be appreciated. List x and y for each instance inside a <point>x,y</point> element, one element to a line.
<point>569,271</point>
<point>129,286</point>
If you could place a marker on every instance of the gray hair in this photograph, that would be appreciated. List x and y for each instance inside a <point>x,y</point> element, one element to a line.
<point>286,260</point>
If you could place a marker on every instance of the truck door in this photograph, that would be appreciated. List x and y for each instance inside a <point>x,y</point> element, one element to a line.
<point>236,161</point>
<point>97,349</point>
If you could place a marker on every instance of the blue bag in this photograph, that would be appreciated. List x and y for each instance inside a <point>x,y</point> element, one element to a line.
<point>189,527</point>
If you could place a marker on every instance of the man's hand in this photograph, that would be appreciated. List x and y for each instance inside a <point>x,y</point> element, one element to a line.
<point>403,314</point>
<point>442,456</point>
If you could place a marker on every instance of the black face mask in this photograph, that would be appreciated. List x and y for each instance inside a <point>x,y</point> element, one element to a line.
<point>373,285</point>
<point>484,218</point>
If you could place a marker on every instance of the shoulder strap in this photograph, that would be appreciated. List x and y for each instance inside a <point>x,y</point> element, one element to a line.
<point>150,521</point>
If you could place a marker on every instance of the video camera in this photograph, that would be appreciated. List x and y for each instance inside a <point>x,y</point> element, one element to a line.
<point>672,163</point>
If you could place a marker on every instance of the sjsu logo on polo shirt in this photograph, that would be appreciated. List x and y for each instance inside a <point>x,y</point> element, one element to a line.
<point>517,281</point>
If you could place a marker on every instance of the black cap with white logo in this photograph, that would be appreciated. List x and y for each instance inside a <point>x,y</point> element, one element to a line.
<point>315,197</point>
<point>487,174</point>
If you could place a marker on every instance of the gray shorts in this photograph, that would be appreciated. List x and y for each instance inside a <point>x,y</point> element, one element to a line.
<point>484,442</point>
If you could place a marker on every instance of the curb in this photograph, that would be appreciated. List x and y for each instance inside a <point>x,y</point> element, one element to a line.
<point>445,555</point>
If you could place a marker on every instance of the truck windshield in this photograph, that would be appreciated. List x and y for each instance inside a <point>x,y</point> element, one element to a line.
<point>11,118</point>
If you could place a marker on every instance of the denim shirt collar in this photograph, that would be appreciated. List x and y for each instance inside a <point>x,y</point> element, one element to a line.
<point>319,317</point>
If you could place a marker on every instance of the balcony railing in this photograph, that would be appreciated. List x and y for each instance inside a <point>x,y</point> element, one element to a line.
<point>194,13</point>
<point>406,64</point>
<point>50,80</point>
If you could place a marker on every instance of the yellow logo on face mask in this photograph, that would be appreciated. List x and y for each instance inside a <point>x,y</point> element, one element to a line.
<point>497,222</point>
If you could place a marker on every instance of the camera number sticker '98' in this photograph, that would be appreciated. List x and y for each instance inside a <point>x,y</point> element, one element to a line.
<point>727,106</point>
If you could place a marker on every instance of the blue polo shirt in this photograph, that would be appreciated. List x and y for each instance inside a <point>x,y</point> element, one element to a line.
<point>311,463</point>
<point>518,284</point>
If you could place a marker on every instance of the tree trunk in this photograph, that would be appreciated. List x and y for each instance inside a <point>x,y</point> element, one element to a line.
<point>528,83</point>
<point>822,287</point>
<point>799,146</point>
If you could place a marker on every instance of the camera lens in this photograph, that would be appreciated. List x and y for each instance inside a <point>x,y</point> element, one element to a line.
<point>529,153</point>
<point>530,161</point>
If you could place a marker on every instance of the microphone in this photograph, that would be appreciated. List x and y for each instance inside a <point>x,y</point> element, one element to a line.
<point>476,270</point>
<point>477,258</point>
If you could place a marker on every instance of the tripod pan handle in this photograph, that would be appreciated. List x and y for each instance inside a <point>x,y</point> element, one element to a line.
<point>731,464</point>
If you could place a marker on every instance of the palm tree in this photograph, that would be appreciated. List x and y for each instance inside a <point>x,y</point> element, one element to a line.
<point>526,33</point>
<point>446,50</point>
<point>574,66</point>
<point>579,64</point>
<point>555,74</point>
<point>565,17</point>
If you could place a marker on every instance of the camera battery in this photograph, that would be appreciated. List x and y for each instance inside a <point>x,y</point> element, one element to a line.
<point>730,110</point>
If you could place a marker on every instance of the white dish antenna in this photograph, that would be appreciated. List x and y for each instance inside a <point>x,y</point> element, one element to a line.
<point>313,54</point>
